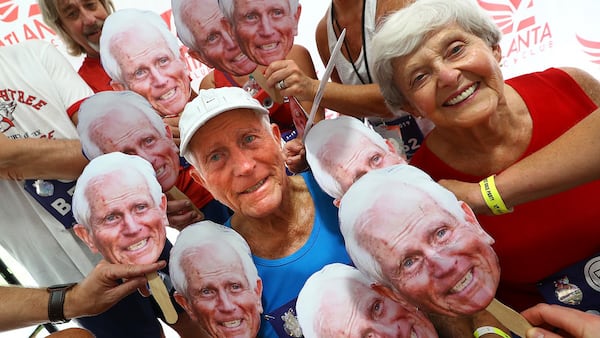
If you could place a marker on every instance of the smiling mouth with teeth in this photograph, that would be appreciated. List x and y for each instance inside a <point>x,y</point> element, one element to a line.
<point>254,187</point>
<point>462,96</point>
<point>137,245</point>
<point>168,95</point>
<point>270,46</point>
<point>232,323</point>
<point>463,283</point>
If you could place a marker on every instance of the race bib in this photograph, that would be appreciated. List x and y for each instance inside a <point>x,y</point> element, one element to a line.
<point>55,196</point>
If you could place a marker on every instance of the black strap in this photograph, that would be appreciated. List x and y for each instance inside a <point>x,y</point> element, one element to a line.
<point>57,301</point>
<point>364,45</point>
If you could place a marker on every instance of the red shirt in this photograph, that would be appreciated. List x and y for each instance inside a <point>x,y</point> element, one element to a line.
<point>545,236</point>
<point>92,72</point>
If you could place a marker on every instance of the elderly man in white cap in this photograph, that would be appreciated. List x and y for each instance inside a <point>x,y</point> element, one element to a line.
<point>290,224</point>
<point>338,301</point>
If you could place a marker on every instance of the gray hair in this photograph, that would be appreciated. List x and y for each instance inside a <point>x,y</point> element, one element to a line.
<point>105,105</point>
<point>340,128</point>
<point>182,10</point>
<point>103,165</point>
<point>403,32</point>
<point>395,185</point>
<point>228,8</point>
<point>127,20</point>
<point>318,289</point>
<point>51,17</point>
<point>203,233</point>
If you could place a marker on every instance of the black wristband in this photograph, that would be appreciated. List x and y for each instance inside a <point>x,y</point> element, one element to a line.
<point>56,302</point>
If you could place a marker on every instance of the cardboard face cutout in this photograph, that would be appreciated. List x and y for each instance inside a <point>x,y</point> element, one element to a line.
<point>341,150</point>
<point>140,53</point>
<point>120,209</point>
<point>429,246</point>
<point>125,122</point>
<point>264,29</point>
<point>338,301</point>
<point>216,280</point>
<point>202,27</point>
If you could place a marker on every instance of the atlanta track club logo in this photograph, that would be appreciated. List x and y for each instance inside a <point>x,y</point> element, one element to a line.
<point>511,16</point>
<point>525,36</point>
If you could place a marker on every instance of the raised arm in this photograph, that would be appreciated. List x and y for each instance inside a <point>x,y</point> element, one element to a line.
<point>40,158</point>
<point>568,161</point>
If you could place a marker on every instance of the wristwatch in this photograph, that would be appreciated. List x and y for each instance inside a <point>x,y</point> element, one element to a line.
<point>57,301</point>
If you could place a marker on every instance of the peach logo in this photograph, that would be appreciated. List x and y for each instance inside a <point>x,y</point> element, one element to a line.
<point>591,48</point>
<point>9,10</point>
<point>510,15</point>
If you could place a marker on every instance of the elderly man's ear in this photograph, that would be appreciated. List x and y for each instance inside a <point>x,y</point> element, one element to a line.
<point>82,232</point>
<point>258,291</point>
<point>181,300</point>
<point>196,176</point>
<point>118,86</point>
<point>472,221</point>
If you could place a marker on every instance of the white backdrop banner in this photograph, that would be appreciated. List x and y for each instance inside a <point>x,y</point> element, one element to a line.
<point>537,34</point>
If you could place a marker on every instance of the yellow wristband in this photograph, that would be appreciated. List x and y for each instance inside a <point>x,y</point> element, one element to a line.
<point>492,196</point>
<point>490,329</point>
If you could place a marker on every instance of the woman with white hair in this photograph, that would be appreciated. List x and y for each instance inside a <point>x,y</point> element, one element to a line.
<point>441,60</point>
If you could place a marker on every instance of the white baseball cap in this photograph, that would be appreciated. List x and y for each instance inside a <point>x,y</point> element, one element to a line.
<point>210,103</point>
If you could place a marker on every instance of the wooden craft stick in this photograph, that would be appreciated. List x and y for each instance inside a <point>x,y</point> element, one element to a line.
<point>262,82</point>
<point>509,318</point>
<point>160,293</point>
<point>176,194</point>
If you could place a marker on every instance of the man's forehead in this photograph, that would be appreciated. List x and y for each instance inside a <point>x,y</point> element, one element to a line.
<point>105,182</point>
<point>251,4</point>
<point>131,41</point>
<point>64,4</point>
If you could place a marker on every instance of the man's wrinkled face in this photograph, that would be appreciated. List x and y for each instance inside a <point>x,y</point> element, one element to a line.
<point>130,132</point>
<point>265,29</point>
<point>355,310</point>
<point>434,260</point>
<point>150,69</point>
<point>126,225</point>
<point>348,157</point>
<point>217,48</point>
<point>241,162</point>
<point>82,20</point>
<point>219,296</point>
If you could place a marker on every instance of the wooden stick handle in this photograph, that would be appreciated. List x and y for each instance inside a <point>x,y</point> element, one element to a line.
<point>262,82</point>
<point>509,317</point>
<point>176,194</point>
<point>160,293</point>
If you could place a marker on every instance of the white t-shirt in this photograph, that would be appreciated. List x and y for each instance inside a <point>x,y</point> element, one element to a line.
<point>37,85</point>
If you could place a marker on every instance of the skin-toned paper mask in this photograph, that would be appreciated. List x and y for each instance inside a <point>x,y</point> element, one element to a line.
<point>338,301</point>
<point>343,149</point>
<point>120,209</point>
<point>418,242</point>
<point>203,29</point>
<point>216,280</point>
<point>264,29</point>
